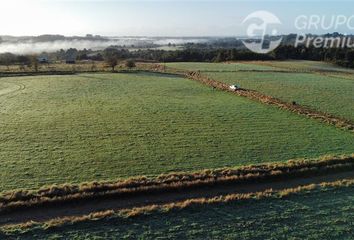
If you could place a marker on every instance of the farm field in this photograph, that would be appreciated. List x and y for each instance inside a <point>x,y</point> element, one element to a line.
<point>304,65</point>
<point>130,120</point>
<point>332,94</point>
<point>88,127</point>
<point>275,218</point>
<point>223,67</point>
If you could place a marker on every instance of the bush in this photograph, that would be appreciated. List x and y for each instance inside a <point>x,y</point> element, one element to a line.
<point>130,64</point>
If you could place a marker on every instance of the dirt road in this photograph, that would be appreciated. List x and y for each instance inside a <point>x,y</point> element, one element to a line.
<point>84,207</point>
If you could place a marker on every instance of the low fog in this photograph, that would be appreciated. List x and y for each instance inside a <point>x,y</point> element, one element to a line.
<point>29,47</point>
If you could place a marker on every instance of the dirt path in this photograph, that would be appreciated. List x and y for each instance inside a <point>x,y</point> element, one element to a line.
<point>85,207</point>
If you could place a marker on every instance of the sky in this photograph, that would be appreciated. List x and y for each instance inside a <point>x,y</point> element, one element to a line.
<point>157,18</point>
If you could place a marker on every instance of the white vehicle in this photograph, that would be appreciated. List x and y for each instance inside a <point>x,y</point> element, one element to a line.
<point>234,87</point>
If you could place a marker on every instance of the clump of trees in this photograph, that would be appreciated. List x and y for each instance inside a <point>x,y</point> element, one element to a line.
<point>7,59</point>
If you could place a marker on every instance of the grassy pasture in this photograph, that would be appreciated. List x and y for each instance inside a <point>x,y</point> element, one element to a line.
<point>323,93</point>
<point>86,127</point>
<point>304,65</point>
<point>288,218</point>
<point>223,67</point>
<point>332,94</point>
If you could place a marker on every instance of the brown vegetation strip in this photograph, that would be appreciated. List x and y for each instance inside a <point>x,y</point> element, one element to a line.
<point>174,182</point>
<point>255,95</point>
<point>177,205</point>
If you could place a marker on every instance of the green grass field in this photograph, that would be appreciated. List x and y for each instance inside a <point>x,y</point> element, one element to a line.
<point>223,67</point>
<point>330,94</point>
<point>313,215</point>
<point>305,65</point>
<point>58,129</point>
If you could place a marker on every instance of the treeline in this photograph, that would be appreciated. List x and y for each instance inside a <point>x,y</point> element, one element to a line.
<point>8,59</point>
<point>199,55</point>
<point>340,56</point>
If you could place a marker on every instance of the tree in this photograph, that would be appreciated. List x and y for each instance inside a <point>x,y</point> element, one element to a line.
<point>220,57</point>
<point>71,55</point>
<point>93,66</point>
<point>112,62</point>
<point>23,60</point>
<point>111,56</point>
<point>34,63</point>
<point>130,64</point>
<point>349,56</point>
<point>7,59</point>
